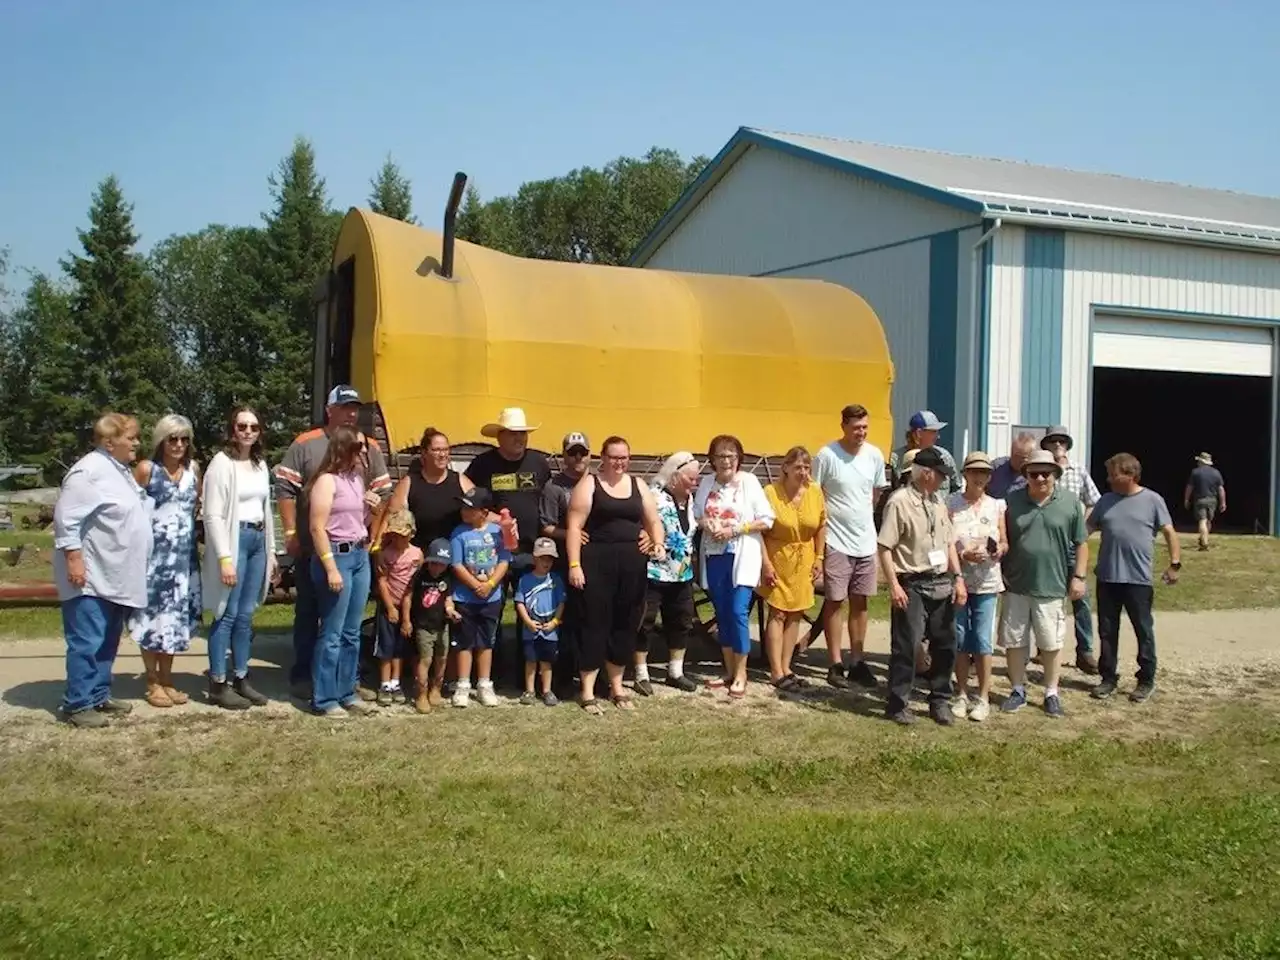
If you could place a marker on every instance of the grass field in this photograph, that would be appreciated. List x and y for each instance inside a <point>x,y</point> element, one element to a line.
<point>1240,572</point>
<point>765,831</point>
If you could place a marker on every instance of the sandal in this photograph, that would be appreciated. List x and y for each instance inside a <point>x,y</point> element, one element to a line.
<point>737,694</point>
<point>715,683</point>
<point>797,682</point>
<point>623,701</point>
<point>177,696</point>
<point>591,707</point>
<point>157,697</point>
<point>786,685</point>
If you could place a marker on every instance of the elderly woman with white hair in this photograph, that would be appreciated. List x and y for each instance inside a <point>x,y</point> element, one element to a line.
<point>670,589</point>
<point>173,609</point>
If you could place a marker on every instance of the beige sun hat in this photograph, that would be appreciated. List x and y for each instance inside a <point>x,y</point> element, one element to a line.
<point>1205,459</point>
<point>401,522</point>
<point>511,418</point>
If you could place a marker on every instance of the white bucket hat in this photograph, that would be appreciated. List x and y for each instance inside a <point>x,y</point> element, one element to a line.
<point>511,418</point>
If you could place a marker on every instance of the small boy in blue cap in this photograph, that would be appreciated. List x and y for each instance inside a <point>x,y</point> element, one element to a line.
<point>539,598</point>
<point>431,613</point>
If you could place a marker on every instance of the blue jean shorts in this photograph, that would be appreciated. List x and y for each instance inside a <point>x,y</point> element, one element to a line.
<point>478,628</point>
<point>976,624</point>
<point>541,649</point>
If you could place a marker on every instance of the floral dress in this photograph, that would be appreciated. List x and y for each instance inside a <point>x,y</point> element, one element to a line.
<point>173,576</point>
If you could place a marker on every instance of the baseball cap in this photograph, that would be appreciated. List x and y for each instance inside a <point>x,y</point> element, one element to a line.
<point>480,498</point>
<point>930,457</point>
<point>342,394</point>
<point>926,420</point>
<point>438,550</point>
<point>545,547</point>
<point>575,439</point>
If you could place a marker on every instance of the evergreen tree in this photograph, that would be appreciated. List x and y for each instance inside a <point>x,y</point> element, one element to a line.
<point>391,195</point>
<point>128,364</point>
<point>296,250</point>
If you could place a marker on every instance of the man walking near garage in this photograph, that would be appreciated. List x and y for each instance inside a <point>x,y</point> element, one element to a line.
<point>1206,493</point>
<point>300,463</point>
<point>1075,479</point>
<point>1129,517</point>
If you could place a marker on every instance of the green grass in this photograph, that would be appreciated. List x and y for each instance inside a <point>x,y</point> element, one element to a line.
<point>679,831</point>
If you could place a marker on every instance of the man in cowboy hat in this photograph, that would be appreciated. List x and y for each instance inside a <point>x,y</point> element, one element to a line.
<point>1207,493</point>
<point>1075,479</point>
<point>516,476</point>
<point>1045,564</point>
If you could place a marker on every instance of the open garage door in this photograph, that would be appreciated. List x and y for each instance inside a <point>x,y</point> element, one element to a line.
<point>1165,390</point>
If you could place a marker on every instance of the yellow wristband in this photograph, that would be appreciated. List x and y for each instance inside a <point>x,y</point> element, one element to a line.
<point>574,564</point>
<point>290,533</point>
<point>325,556</point>
<point>746,528</point>
<point>225,560</point>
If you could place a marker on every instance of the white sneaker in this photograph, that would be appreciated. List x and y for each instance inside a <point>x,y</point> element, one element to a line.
<point>486,695</point>
<point>979,711</point>
<point>960,706</point>
<point>461,695</point>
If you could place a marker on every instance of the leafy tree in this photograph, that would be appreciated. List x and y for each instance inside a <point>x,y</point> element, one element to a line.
<point>296,248</point>
<point>391,194</point>
<point>128,364</point>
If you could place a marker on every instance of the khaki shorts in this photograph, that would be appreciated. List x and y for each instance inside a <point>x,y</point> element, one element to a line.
<point>1026,617</point>
<point>431,646</point>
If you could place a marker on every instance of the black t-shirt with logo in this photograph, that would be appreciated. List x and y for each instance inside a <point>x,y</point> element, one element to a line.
<point>429,595</point>
<point>516,485</point>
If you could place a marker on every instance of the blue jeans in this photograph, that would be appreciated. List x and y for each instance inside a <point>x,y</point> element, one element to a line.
<point>234,629</point>
<point>92,627</point>
<point>730,602</point>
<point>306,618</point>
<point>976,624</point>
<point>337,656</point>
<point>1082,614</point>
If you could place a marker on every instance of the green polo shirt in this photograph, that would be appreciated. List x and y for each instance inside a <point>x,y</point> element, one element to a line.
<point>1041,540</point>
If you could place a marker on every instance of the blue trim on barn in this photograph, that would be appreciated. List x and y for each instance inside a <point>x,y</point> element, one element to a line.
<point>1043,258</point>
<point>745,138</point>
<point>982,428</point>
<point>944,302</point>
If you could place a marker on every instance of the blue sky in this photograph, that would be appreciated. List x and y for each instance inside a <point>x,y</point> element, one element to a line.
<point>192,105</point>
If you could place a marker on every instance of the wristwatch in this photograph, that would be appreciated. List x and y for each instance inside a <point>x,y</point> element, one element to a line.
<point>1176,566</point>
<point>1076,576</point>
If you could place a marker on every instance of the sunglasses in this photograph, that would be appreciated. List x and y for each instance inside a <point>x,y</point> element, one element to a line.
<point>177,439</point>
<point>1039,474</point>
<point>248,427</point>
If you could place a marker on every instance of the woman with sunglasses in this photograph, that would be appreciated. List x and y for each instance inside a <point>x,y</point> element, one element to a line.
<point>239,556</point>
<point>173,609</point>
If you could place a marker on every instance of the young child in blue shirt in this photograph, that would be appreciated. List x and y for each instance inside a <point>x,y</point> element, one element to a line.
<point>540,597</point>
<point>480,562</point>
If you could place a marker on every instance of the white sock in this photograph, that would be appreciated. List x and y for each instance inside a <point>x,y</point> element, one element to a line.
<point>486,682</point>
<point>1050,692</point>
<point>388,685</point>
<point>395,684</point>
<point>675,667</point>
<point>463,685</point>
<point>642,671</point>
<point>1020,688</point>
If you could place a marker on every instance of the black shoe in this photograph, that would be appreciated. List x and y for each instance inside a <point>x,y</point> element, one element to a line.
<point>221,694</point>
<point>683,684</point>
<point>835,677</point>
<point>1142,692</point>
<point>860,673</point>
<point>242,686</point>
<point>903,717</point>
<point>1103,690</point>
<point>116,708</point>
<point>644,688</point>
<point>941,714</point>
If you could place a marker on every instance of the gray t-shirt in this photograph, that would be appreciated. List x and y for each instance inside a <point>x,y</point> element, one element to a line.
<point>1205,482</point>
<point>1129,525</point>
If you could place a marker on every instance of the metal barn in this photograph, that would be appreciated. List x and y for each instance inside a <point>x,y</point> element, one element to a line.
<point>1142,315</point>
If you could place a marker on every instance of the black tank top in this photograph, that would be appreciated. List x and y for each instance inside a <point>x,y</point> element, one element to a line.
<point>434,506</point>
<point>615,519</point>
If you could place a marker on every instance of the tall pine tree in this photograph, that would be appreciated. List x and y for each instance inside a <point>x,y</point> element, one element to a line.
<point>296,249</point>
<point>128,363</point>
<point>391,194</point>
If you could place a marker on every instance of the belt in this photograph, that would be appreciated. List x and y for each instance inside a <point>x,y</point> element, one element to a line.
<point>348,546</point>
<point>246,525</point>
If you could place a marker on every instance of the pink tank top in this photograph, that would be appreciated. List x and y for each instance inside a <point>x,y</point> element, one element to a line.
<point>346,516</point>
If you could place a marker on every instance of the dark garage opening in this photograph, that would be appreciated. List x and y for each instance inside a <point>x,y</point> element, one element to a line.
<point>1164,419</point>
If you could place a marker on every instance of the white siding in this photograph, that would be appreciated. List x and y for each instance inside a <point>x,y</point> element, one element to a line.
<point>1004,301</point>
<point>1102,271</point>
<point>772,210</point>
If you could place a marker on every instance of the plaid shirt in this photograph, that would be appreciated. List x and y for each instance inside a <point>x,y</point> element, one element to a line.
<point>1076,479</point>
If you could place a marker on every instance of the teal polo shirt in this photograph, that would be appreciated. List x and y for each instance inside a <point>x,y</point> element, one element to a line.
<point>1041,541</point>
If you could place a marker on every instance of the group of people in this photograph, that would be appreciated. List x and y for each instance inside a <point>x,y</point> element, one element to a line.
<point>593,562</point>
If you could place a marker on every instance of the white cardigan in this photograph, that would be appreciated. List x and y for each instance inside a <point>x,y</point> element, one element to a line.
<point>748,557</point>
<point>222,531</point>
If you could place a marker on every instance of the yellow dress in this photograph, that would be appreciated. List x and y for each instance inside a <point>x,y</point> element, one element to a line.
<point>789,544</point>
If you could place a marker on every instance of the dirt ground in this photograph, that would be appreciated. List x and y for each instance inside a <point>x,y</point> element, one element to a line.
<point>1203,657</point>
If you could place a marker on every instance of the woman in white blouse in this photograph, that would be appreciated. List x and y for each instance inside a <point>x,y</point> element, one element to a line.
<point>239,555</point>
<point>731,509</point>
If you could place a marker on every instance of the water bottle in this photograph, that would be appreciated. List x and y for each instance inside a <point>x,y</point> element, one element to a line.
<point>508,525</point>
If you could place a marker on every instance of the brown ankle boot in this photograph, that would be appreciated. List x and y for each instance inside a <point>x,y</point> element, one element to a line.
<point>165,666</point>
<point>156,695</point>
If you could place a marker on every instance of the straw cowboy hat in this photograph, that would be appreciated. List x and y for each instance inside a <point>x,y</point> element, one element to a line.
<point>511,418</point>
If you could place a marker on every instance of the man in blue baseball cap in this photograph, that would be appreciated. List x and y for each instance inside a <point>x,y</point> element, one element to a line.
<point>922,434</point>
